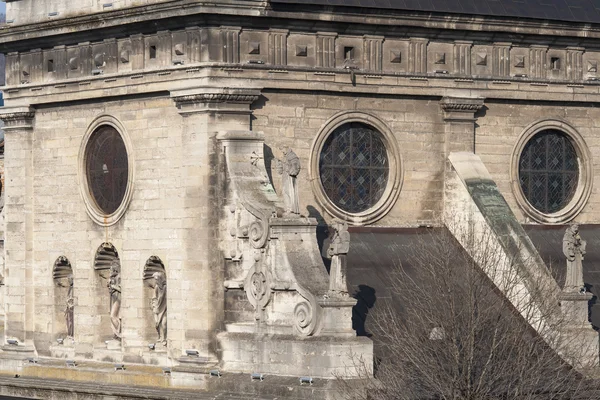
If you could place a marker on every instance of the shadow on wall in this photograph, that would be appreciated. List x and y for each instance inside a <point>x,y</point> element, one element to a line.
<point>322,234</point>
<point>366,298</point>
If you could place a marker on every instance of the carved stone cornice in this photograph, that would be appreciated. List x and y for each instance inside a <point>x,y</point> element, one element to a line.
<point>461,104</point>
<point>235,98</point>
<point>221,100</point>
<point>20,118</point>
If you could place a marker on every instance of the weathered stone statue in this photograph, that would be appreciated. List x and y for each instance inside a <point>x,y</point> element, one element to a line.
<point>290,168</point>
<point>574,250</point>
<point>338,249</point>
<point>114,288</point>
<point>69,310</point>
<point>159,305</point>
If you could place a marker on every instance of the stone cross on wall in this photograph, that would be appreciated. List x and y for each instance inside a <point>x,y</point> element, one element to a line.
<point>574,250</point>
<point>338,249</point>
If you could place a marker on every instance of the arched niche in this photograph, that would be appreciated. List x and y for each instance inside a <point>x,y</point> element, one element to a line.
<point>153,264</point>
<point>64,301</point>
<point>105,256</point>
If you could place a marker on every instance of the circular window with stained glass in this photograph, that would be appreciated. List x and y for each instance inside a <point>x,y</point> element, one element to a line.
<point>354,167</point>
<point>549,171</point>
<point>107,169</point>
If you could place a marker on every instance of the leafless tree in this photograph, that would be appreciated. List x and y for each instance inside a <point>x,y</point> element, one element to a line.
<point>450,333</point>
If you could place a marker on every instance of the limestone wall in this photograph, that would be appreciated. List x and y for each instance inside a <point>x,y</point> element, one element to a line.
<point>165,218</point>
<point>295,120</point>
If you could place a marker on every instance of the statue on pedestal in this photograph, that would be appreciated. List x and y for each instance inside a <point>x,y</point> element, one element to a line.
<point>290,167</point>
<point>114,289</point>
<point>159,305</point>
<point>574,250</point>
<point>69,310</point>
<point>338,249</point>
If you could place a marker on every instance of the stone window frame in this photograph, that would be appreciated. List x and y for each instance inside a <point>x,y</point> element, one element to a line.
<point>584,162</point>
<point>396,168</point>
<point>90,205</point>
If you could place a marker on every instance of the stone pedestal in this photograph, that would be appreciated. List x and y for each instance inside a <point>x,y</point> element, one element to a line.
<point>581,343</point>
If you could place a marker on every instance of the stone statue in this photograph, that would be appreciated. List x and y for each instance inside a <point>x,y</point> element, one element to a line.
<point>114,288</point>
<point>338,249</point>
<point>159,305</point>
<point>574,250</point>
<point>69,310</point>
<point>290,167</point>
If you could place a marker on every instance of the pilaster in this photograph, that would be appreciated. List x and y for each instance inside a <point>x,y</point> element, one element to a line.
<point>326,49</point>
<point>575,63</point>
<point>538,65</point>
<point>18,167</point>
<point>501,59</point>
<point>417,55</point>
<point>373,49</point>
<point>462,57</point>
<point>459,118</point>
<point>278,46</point>
<point>204,112</point>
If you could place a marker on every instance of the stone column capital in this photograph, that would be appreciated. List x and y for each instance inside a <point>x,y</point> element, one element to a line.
<point>17,118</point>
<point>236,100</point>
<point>461,108</point>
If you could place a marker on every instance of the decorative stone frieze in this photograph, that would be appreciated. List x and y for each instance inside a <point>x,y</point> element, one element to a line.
<point>460,105</point>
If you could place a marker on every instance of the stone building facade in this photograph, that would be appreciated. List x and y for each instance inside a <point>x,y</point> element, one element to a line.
<point>151,135</point>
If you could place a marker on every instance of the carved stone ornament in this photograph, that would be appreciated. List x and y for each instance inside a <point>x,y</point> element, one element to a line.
<point>306,318</point>
<point>62,268</point>
<point>153,264</point>
<point>240,98</point>
<point>460,104</point>
<point>258,231</point>
<point>105,256</point>
<point>18,120</point>
<point>258,287</point>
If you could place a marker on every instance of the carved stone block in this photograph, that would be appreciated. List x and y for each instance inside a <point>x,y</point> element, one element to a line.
<point>253,47</point>
<point>520,61</point>
<point>440,58</point>
<point>395,56</point>
<point>481,59</point>
<point>592,66</point>
<point>301,50</point>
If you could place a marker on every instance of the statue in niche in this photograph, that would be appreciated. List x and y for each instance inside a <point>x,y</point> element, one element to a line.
<point>114,289</point>
<point>338,249</point>
<point>289,168</point>
<point>574,250</point>
<point>159,305</point>
<point>69,310</point>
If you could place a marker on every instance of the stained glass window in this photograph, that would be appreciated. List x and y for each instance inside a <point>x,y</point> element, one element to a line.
<point>107,168</point>
<point>548,171</point>
<point>354,167</point>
